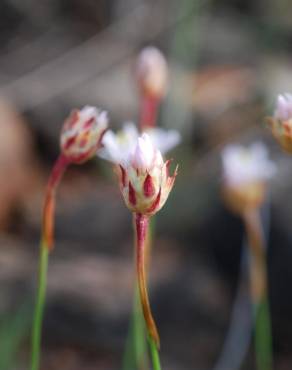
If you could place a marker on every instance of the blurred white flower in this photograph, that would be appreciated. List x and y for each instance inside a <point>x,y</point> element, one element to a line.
<point>245,172</point>
<point>243,166</point>
<point>118,148</point>
<point>151,72</point>
<point>281,122</point>
<point>283,109</point>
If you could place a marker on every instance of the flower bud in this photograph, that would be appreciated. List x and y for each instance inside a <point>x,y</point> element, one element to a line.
<point>145,183</point>
<point>82,133</point>
<point>151,72</point>
<point>144,176</point>
<point>281,122</point>
<point>245,173</point>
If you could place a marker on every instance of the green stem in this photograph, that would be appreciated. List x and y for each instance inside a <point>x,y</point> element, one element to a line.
<point>263,336</point>
<point>46,246</point>
<point>154,354</point>
<point>39,307</point>
<point>259,287</point>
<point>135,356</point>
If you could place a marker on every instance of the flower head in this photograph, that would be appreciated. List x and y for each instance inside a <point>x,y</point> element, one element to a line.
<point>82,133</point>
<point>144,177</point>
<point>245,172</point>
<point>151,72</point>
<point>281,122</point>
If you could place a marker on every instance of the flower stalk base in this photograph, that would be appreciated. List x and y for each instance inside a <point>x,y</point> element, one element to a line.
<point>141,224</point>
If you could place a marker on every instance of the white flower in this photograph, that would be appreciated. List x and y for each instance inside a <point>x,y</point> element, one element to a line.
<point>244,166</point>
<point>119,147</point>
<point>144,177</point>
<point>283,109</point>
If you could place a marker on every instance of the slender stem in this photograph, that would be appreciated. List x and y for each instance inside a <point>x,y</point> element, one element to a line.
<point>263,336</point>
<point>149,112</point>
<point>142,223</point>
<point>259,286</point>
<point>39,307</point>
<point>154,355</point>
<point>45,247</point>
<point>49,204</point>
<point>136,353</point>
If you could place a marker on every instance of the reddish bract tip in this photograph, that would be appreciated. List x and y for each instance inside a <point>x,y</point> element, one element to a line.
<point>148,187</point>
<point>132,195</point>
<point>123,176</point>
<point>155,204</point>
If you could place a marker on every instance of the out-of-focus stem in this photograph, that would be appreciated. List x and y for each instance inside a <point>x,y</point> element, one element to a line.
<point>49,204</point>
<point>149,112</point>
<point>141,223</point>
<point>154,355</point>
<point>263,336</point>
<point>39,308</point>
<point>259,288</point>
<point>45,247</point>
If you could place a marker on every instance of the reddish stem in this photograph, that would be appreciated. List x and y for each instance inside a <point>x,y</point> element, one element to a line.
<point>255,238</point>
<point>49,204</point>
<point>141,225</point>
<point>149,112</point>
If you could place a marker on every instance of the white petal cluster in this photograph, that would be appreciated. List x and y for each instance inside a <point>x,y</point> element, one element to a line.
<point>145,156</point>
<point>122,147</point>
<point>283,109</point>
<point>244,166</point>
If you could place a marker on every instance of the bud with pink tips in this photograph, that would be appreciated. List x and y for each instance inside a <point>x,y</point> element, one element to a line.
<point>144,177</point>
<point>82,133</point>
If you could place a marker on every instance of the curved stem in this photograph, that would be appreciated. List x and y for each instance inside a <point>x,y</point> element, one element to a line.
<point>142,223</point>
<point>136,354</point>
<point>49,204</point>
<point>45,247</point>
<point>142,243</point>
